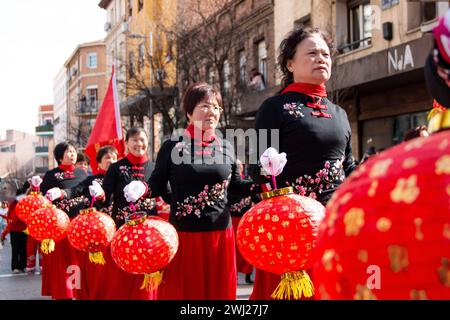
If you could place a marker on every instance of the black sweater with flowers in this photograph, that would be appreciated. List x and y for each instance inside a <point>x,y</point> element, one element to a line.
<point>199,178</point>
<point>120,174</point>
<point>315,134</point>
<point>67,181</point>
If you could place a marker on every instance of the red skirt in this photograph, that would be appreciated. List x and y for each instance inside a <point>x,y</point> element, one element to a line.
<point>241,265</point>
<point>109,282</point>
<point>204,268</point>
<point>60,272</point>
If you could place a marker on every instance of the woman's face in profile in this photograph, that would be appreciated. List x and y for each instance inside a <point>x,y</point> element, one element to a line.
<point>312,61</point>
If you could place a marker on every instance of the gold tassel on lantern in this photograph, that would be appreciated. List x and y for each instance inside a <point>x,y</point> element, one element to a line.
<point>96,257</point>
<point>295,284</point>
<point>47,246</point>
<point>152,281</point>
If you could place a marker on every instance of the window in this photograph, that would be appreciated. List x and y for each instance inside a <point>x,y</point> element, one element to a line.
<point>359,24</point>
<point>91,98</point>
<point>130,8</point>
<point>304,21</point>
<point>420,12</point>
<point>386,4</point>
<point>141,58</point>
<point>140,5</point>
<point>226,75</point>
<point>92,60</point>
<point>262,59</point>
<point>242,66</point>
<point>131,64</point>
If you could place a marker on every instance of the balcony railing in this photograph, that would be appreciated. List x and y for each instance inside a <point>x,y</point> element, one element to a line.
<point>41,149</point>
<point>41,169</point>
<point>347,47</point>
<point>45,128</point>
<point>87,107</point>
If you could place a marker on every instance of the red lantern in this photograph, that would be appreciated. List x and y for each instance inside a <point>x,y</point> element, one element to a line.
<point>30,203</point>
<point>91,231</point>
<point>387,231</point>
<point>48,225</point>
<point>145,245</point>
<point>278,235</point>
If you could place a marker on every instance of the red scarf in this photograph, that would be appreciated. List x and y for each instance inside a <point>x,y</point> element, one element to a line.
<point>317,90</point>
<point>208,137</point>
<point>101,171</point>
<point>67,167</point>
<point>137,160</point>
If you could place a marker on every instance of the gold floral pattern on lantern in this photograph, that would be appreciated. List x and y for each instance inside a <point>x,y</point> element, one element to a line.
<point>373,188</point>
<point>384,224</point>
<point>446,231</point>
<point>398,258</point>
<point>354,221</point>
<point>414,144</point>
<point>409,163</point>
<point>443,165</point>
<point>363,256</point>
<point>443,144</point>
<point>444,272</point>
<point>327,259</point>
<point>418,223</point>
<point>418,294</point>
<point>380,168</point>
<point>364,293</point>
<point>406,190</point>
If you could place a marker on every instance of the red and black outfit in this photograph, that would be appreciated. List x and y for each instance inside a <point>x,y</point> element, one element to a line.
<point>108,281</point>
<point>238,205</point>
<point>200,173</point>
<point>315,135</point>
<point>55,264</point>
<point>15,228</point>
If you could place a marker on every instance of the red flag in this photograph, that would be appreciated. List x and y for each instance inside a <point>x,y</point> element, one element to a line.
<point>108,127</point>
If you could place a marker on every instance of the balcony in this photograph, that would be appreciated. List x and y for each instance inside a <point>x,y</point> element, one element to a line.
<point>41,169</point>
<point>358,44</point>
<point>40,150</point>
<point>89,107</point>
<point>45,130</point>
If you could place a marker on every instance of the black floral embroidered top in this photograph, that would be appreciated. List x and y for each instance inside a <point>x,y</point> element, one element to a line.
<point>82,190</point>
<point>316,136</point>
<point>120,174</point>
<point>67,181</point>
<point>200,176</point>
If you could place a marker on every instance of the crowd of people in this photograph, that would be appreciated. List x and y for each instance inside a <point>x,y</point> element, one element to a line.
<point>206,197</point>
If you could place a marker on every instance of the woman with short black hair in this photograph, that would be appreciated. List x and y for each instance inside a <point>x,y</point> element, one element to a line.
<point>58,185</point>
<point>314,133</point>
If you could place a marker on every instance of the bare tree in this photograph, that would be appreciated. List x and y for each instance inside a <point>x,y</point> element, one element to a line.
<point>205,50</point>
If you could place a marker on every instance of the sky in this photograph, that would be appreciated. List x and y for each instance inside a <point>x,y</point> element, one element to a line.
<point>36,39</point>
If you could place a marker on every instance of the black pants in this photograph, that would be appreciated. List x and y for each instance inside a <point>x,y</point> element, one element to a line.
<point>19,250</point>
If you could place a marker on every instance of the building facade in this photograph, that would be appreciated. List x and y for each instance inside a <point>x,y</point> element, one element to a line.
<point>378,75</point>
<point>44,159</point>
<point>138,41</point>
<point>16,154</point>
<point>86,88</point>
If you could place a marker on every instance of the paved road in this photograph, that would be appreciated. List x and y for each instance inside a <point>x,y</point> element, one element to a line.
<point>28,286</point>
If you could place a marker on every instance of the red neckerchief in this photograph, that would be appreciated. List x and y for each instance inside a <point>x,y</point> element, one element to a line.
<point>101,172</point>
<point>207,137</point>
<point>135,160</point>
<point>316,92</point>
<point>67,167</point>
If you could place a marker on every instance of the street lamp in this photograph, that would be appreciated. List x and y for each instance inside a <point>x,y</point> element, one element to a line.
<point>150,49</point>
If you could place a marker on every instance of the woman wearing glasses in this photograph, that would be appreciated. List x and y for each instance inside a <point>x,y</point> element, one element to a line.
<point>201,169</point>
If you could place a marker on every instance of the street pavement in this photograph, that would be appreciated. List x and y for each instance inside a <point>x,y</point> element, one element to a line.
<point>25,286</point>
